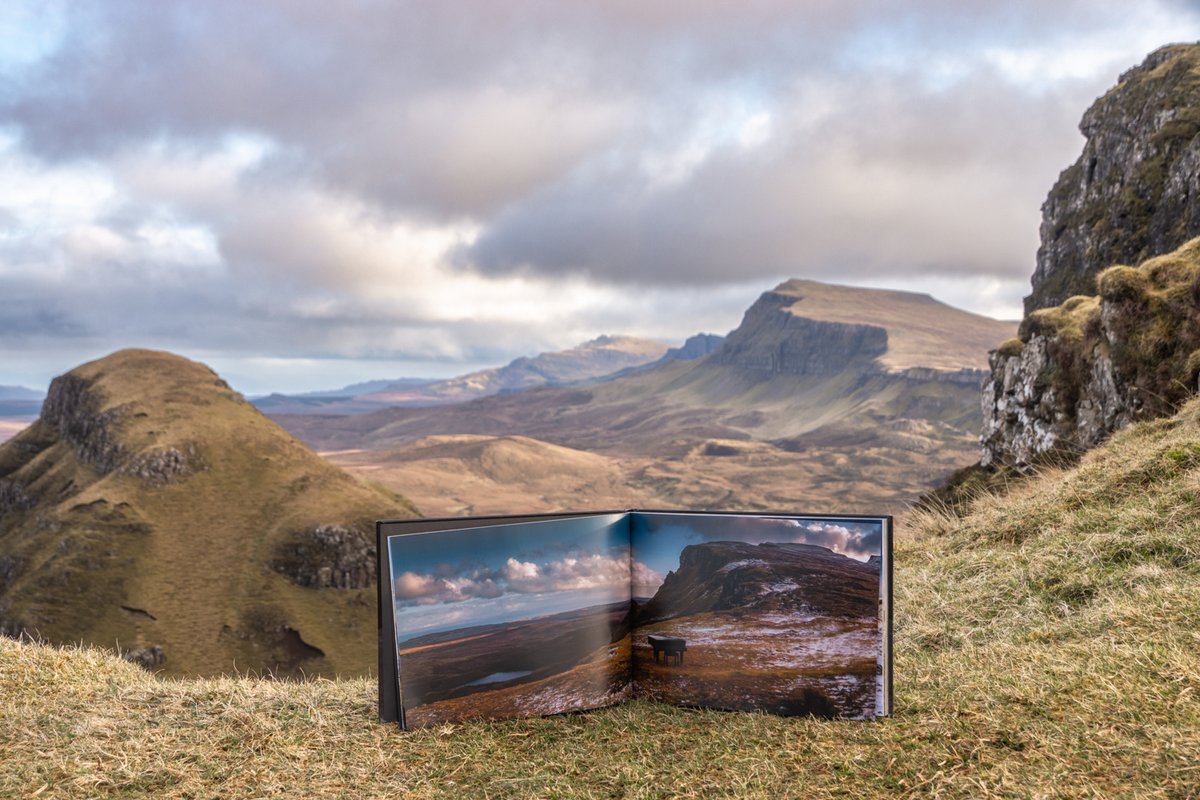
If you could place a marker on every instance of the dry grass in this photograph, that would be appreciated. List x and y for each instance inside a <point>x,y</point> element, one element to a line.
<point>1048,645</point>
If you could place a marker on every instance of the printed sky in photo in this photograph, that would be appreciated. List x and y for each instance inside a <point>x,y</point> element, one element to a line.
<point>483,576</point>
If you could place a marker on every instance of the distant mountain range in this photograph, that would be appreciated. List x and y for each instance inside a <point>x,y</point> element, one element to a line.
<point>599,357</point>
<point>19,393</point>
<point>18,405</point>
<point>151,508</point>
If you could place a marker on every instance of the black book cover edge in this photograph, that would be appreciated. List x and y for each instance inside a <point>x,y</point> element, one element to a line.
<point>390,709</point>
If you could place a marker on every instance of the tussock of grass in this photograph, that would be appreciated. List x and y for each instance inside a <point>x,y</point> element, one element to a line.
<point>1047,645</point>
<point>1069,320</point>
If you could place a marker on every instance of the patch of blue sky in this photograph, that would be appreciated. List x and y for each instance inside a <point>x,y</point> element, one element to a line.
<point>29,31</point>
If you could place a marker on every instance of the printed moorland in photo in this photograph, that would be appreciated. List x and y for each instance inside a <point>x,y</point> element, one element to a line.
<point>512,621</point>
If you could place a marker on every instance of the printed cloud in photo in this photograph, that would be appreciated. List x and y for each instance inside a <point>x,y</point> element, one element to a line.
<point>517,575</point>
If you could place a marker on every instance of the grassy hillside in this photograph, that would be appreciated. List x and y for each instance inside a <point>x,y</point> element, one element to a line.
<point>1047,645</point>
<point>151,505</point>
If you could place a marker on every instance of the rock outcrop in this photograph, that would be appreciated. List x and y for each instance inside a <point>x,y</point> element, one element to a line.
<point>149,658</point>
<point>697,346</point>
<point>73,409</point>
<point>1132,193</point>
<point>162,466</point>
<point>772,339</point>
<point>329,556</point>
<point>1080,371</point>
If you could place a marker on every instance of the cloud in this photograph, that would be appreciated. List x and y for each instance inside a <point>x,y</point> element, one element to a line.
<point>416,589</point>
<point>479,181</point>
<point>856,541</point>
<point>645,580</point>
<point>940,178</point>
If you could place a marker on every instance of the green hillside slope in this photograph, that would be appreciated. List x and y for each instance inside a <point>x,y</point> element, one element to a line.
<point>1047,645</point>
<point>151,505</point>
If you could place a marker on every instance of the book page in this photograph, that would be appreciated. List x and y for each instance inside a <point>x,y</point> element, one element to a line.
<point>511,620</point>
<point>759,613</point>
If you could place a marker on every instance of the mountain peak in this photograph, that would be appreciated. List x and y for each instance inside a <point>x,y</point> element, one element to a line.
<point>151,505</point>
<point>597,357</point>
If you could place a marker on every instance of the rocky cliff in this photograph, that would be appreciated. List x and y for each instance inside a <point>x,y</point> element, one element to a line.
<point>1132,193</point>
<point>1081,370</point>
<point>774,340</point>
<point>697,346</point>
<point>803,327</point>
<point>718,576</point>
<point>152,508</point>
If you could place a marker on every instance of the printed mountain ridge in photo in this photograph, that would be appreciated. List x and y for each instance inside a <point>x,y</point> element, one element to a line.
<point>719,576</point>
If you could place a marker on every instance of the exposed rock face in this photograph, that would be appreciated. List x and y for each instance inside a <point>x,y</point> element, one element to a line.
<point>329,556</point>
<point>1132,193</point>
<point>159,467</point>
<point>146,657</point>
<point>13,496</point>
<point>961,377</point>
<point>73,410</point>
<point>697,346</point>
<point>774,340</point>
<point>1091,366</point>
<point>717,576</point>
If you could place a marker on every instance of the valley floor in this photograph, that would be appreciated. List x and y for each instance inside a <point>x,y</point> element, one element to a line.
<point>11,427</point>
<point>447,476</point>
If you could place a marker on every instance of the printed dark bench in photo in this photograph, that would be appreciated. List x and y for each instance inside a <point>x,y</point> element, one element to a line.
<point>668,646</point>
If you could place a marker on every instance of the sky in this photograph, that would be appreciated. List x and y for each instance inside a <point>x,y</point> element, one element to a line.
<point>306,194</point>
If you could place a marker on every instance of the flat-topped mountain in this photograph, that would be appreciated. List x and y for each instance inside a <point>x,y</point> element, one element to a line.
<point>151,508</point>
<point>804,325</point>
<point>804,578</point>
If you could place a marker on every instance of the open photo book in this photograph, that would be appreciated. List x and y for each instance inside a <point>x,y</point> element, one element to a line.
<point>520,616</point>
